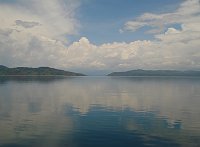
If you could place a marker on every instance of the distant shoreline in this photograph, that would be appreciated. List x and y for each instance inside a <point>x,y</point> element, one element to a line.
<point>48,71</point>
<point>156,73</point>
<point>40,71</point>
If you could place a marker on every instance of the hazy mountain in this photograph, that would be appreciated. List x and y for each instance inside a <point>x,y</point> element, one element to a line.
<point>35,71</point>
<point>140,72</point>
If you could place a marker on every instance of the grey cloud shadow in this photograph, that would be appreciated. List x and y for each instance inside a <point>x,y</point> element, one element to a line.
<point>27,24</point>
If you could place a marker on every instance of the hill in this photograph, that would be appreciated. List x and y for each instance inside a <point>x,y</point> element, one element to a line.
<point>40,71</point>
<point>140,72</point>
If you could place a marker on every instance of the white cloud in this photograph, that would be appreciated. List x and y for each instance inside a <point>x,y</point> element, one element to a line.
<point>188,12</point>
<point>172,50</point>
<point>33,33</point>
<point>134,25</point>
<point>37,40</point>
<point>56,17</point>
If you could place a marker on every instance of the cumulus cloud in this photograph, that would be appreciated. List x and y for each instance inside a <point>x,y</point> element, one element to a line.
<point>33,33</point>
<point>173,49</point>
<point>38,39</point>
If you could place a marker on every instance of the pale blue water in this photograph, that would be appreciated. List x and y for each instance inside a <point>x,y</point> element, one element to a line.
<point>99,111</point>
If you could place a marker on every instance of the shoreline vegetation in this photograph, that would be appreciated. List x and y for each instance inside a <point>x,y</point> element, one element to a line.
<point>40,71</point>
<point>48,71</point>
<point>141,72</point>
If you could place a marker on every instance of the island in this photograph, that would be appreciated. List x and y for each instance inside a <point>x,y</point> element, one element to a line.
<point>40,71</point>
<point>141,72</point>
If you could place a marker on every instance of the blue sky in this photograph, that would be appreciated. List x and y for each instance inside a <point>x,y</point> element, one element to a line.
<point>101,20</point>
<point>100,36</point>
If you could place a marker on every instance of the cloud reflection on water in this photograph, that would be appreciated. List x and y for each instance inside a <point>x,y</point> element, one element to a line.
<point>54,107</point>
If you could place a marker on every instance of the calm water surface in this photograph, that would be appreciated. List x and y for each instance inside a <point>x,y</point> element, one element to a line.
<point>99,111</point>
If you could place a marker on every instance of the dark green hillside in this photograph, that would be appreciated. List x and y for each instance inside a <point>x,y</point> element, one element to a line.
<point>41,71</point>
<point>140,72</point>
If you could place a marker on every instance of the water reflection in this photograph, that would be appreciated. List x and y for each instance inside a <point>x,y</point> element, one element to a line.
<point>103,111</point>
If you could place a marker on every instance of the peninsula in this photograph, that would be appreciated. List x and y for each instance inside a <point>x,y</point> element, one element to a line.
<point>141,72</point>
<point>40,71</point>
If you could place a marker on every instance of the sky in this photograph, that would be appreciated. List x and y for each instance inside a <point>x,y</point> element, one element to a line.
<point>97,37</point>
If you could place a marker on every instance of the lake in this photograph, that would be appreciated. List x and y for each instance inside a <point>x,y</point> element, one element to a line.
<point>99,111</point>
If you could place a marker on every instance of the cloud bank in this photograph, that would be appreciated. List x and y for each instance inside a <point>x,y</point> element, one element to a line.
<point>34,34</point>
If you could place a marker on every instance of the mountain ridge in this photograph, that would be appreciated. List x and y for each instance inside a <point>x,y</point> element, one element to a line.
<point>40,71</point>
<point>141,72</point>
